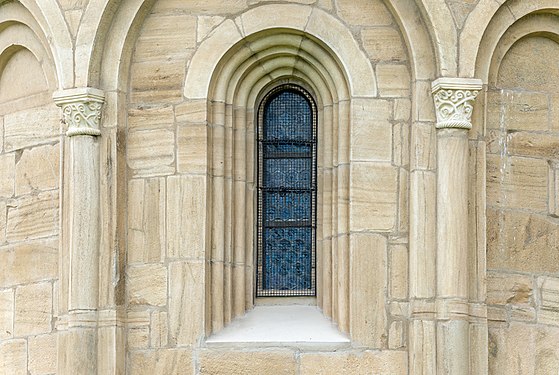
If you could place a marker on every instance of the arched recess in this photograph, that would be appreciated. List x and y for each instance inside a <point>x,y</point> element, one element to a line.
<point>517,182</point>
<point>248,70</point>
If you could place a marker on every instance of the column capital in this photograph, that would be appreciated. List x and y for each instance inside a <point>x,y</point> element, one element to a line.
<point>81,108</point>
<point>454,101</point>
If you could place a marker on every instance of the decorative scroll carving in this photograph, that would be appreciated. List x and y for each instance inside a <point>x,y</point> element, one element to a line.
<point>454,101</point>
<point>81,109</point>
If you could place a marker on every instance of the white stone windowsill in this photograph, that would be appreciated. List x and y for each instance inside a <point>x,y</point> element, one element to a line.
<point>290,325</point>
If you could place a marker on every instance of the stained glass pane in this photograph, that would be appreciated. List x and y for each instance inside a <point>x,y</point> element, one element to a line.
<point>286,194</point>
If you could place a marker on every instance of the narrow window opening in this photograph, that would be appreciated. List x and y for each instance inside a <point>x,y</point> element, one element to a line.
<point>286,194</point>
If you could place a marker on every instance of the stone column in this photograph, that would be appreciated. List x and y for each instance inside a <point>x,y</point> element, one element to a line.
<point>81,110</point>
<point>454,99</point>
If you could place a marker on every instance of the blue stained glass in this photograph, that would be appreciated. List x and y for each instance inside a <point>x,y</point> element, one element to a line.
<point>288,207</point>
<point>288,117</point>
<point>287,173</point>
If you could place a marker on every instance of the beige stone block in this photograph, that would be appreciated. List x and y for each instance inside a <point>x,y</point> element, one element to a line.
<point>393,80</point>
<point>383,44</point>
<point>7,171</point>
<point>186,302</point>
<point>169,35</point>
<point>6,313</point>
<point>146,220</point>
<point>368,286</point>
<point>396,335</point>
<point>511,350</point>
<point>3,218</point>
<point>507,288</point>
<point>527,111</point>
<point>553,195</point>
<point>199,6</point>
<point>544,145</point>
<point>398,271</point>
<point>150,117</point>
<point>275,362</point>
<point>42,354</point>
<point>13,357</point>
<point>38,169</point>
<point>205,26</point>
<point>33,309</point>
<point>549,292</point>
<point>157,81</point>
<point>522,242</point>
<point>363,12</point>
<point>554,112</point>
<point>31,127</point>
<point>159,329</point>
<point>423,343</point>
<point>147,284</point>
<point>402,110</point>
<point>192,149</point>
<point>355,363</point>
<point>33,216</point>
<point>371,133</point>
<point>523,314</point>
<point>151,152</point>
<point>517,182</point>
<point>29,262</point>
<point>192,112</point>
<point>546,351</point>
<point>164,361</point>
<point>326,4</point>
<point>138,338</point>
<point>373,196</point>
<point>186,209</point>
<point>423,146</point>
<point>403,201</point>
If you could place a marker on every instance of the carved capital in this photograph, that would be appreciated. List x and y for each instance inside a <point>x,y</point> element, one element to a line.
<point>454,99</point>
<point>81,109</point>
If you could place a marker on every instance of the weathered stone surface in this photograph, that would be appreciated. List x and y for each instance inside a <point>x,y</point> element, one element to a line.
<point>138,338</point>
<point>151,152</point>
<point>29,262</point>
<point>549,292</point>
<point>31,127</point>
<point>159,329</point>
<point>398,271</point>
<point>423,147</point>
<point>520,143</point>
<point>158,81</point>
<point>217,362</point>
<point>6,313</point>
<point>373,196</point>
<point>38,169</point>
<point>33,309</point>
<point>13,357</point>
<point>150,117</point>
<point>522,242</point>
<point>42,354</point>
<point>7,171</point>
<point>3,218</point>
<point>359,363</point>
<point>147,284</point>
<point>393,80</point>
<point>33,216</point>
<point>363,12</point>
<point>371,133</point>
<point>517,182</point>
<point>163,361</point>
<point>192,149</point>
<point>146,220</point>
<point>383,44</point>
<point>396,335</point>
<point>506,288</point>
<point>199,6</point>
<point>186,216</point>
<point>205,25</point>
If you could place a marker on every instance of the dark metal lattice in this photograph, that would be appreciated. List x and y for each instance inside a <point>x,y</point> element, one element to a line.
<point>286,194</point>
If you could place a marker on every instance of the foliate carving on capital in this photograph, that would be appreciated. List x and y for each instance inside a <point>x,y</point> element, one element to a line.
<point>81,109</point>
<point>454,99</point>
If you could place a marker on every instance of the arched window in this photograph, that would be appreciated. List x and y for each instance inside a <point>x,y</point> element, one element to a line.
<point>287,185</point>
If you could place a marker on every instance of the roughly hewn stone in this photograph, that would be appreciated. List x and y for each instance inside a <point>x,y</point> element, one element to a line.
<point>13,357</point>
<point>29,262</point>
<point>42,354</point>
<point>162,361</point>
<point>147,284</point>
<point>247,362</point>
<point>359,363</point>
<point>33,309</point>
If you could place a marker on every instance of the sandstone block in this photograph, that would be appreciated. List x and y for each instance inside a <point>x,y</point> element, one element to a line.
<point>38,169</point>
<point>522,242</point>
<point>31,127</point>
<point>151,152</point>
<point>7,171</point>
<point>393,80</point>
<point>186,302</point>
<point>247,363</point>
<point>163,361</point>
<point>42,354</point>
<point>138,338</point>
<point>398,271</point>
<point>383,44</point>
<point>159,329</point>
<point>3,218</point>
<point>360,363</point>
<point>192,112</point>
<point>157,81</point>
<point>396,335</point>
<point>423,107</point>
<point>147,284</point>
<point>363,12</point>
<point>13,357</point>
<point>29,262</point>
<point>373,196</point>
<point>33,216</point>
<point>423,146</point>
<point>539,145</point>
<point>402,110</point>
<point>554,112</point>
<point>186,216</point>
<point>146,220</point>
<point>192,150</point>
<point>517,182</point>
<point>6,314</point>
<point>507,288</point>
<point>150,117</point>
<point>33,309</point>
<point>371,133</point>
<point>549,292</point>
<point>205,26</point>
<point>198,6</point>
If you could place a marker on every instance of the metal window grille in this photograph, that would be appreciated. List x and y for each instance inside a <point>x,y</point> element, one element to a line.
<point>286,243</point>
